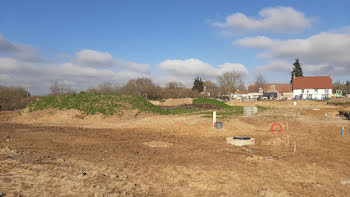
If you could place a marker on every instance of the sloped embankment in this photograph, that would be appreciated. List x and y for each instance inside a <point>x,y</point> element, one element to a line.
<point>106,104</point>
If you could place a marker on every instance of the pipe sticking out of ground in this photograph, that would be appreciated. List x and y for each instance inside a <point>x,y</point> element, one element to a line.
<point>214,118</point>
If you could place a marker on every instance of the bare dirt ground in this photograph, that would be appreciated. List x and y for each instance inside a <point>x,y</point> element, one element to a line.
<point>52,153</point>
<point>285,104</point>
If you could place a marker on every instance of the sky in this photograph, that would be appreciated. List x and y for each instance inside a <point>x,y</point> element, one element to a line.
<point>85,43</point>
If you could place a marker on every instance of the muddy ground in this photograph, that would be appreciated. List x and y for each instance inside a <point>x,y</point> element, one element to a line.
<point>177,156</point>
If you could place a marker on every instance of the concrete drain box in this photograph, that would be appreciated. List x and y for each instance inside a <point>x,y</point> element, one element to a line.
<point>240,141</point>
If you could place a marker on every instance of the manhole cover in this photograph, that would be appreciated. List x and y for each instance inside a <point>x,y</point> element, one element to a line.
<point>240,140</point>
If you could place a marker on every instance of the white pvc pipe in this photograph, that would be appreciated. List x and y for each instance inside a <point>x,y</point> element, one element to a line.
<point>214,117</point>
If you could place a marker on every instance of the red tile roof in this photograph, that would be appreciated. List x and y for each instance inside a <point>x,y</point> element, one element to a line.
<point>281,88</point>
<point>322,82</point>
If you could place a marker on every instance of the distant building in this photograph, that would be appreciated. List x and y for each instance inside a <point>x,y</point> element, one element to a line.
<point>275,91</point>
<point>317,88</point>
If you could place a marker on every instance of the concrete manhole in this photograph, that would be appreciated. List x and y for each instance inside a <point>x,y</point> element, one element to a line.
<point>240,141</point>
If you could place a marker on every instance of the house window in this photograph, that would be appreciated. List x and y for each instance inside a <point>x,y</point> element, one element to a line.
<point>316,91</point>
<point>302,91</point>
<point>327,91</point>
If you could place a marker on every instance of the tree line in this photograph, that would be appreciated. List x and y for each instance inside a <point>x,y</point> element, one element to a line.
<point>344,87</point>
<point>228,83</point>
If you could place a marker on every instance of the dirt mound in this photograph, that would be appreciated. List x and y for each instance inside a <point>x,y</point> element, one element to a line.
<point>191,106</point>
<point>75,117</point>
<point>174,102</point>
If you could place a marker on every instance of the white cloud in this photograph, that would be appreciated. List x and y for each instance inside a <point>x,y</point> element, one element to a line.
<point>195,67</point>
<point>228,67</point>
<point>39,77</point>
<point>256,42</point>
<point>90,68</point>
<point>92,58</point>
<point>145,68</point>
<point>185,71</point>
<point>19,51</point>
<point>275,66</point>
<point>87,57</point>
<point>191,67</point>
<point>21,65</point>
<point>273,19</point>
<point>322,53</point>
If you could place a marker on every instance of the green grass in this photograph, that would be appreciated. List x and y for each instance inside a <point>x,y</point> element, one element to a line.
<point>261,108</point>
<point>216,103</point>
<point>94,103</point>
<point>224,111</point>
<point>109,104</point>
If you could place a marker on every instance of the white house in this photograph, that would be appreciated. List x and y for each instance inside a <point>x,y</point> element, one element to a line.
<point>317,88</point>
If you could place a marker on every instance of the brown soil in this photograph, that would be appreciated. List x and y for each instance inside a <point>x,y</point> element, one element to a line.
<point>54,154</point>
<point>284,104</point>
<point>340,100</point>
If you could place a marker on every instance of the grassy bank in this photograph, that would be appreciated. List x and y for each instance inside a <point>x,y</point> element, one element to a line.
<point>93,103</point>
<point>224,111</point>
<point>109,104</point>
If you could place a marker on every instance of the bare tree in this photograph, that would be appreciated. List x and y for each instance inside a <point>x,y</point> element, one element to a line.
<point>106,87</point>
<point>57,88</point>
<point>143,87</point>
<point>241,85</point>
<point>174,85</point>
<point>260,82</point>
<point>229,82</point>
<point>212,88</point>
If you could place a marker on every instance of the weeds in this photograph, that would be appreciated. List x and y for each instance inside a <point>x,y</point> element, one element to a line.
<point>109,104</point>
<point>224,111</point>
<point>94,103</point>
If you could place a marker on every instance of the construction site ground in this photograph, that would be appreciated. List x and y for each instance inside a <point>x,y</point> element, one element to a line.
<point>63,153</point>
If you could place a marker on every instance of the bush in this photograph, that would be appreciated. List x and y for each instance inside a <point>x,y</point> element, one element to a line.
<point>12,98</point>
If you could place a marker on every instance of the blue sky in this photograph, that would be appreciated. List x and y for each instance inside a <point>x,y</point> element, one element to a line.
<point>85,43</point>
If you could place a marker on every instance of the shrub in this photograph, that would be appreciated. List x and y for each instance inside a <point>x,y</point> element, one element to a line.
<point>12,98</point>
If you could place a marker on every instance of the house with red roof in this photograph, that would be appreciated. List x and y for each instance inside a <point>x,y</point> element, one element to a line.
<point>317,88</point>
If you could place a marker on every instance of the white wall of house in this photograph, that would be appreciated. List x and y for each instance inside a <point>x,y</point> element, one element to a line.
<point>317,94</point>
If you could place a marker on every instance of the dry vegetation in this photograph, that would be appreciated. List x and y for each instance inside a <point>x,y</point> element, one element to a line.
<point>12,98</point>
<point>144,87</point>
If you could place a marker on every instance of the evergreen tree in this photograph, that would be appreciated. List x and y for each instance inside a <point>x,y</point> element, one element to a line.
<point>297,70</point>
<point>198,84</point>
<point>347,84</point>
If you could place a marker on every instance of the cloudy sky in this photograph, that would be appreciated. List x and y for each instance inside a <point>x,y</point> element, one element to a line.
<point>86,43</point>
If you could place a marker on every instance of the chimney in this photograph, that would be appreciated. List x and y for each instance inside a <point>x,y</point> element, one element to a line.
<point>293,76</point>
<point>330,75</point>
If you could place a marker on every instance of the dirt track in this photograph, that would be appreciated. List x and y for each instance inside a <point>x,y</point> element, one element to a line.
<point>184,157</point>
